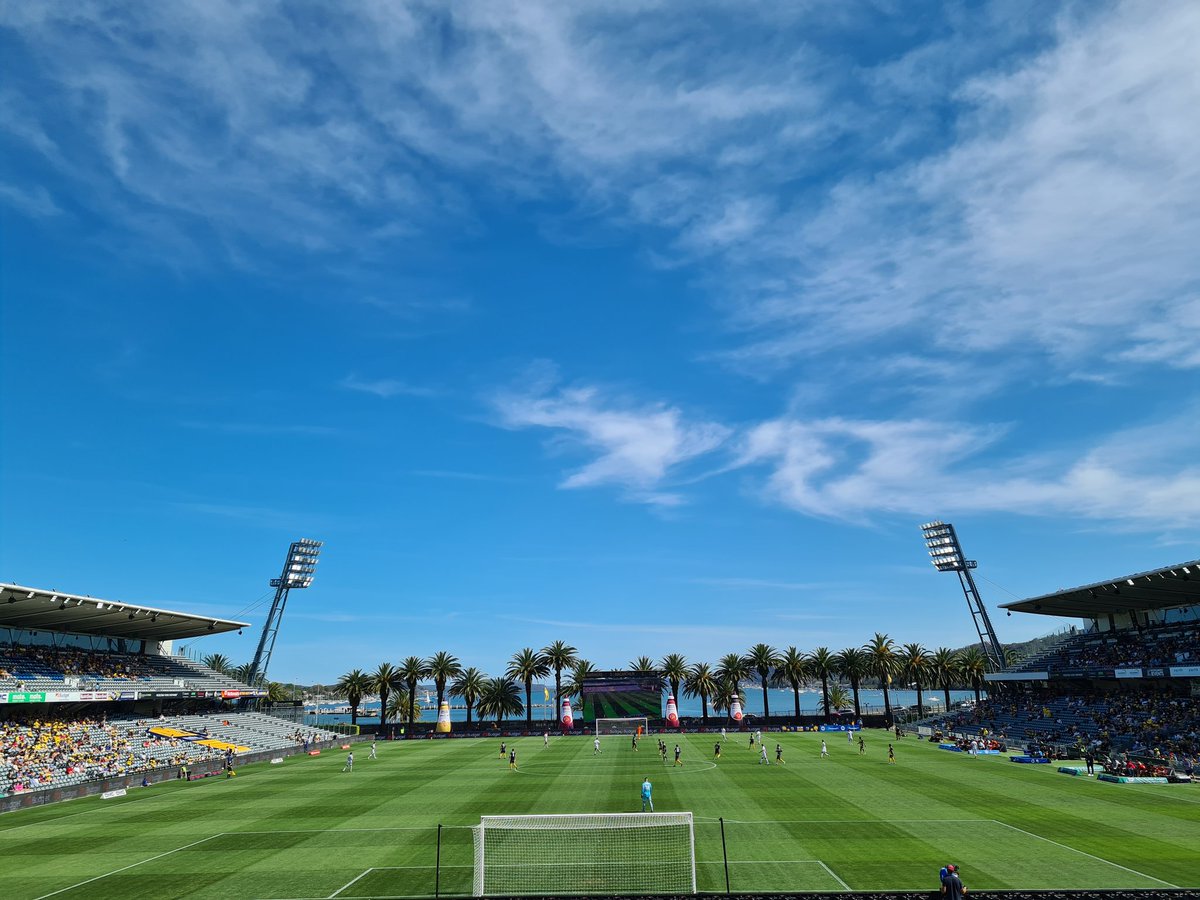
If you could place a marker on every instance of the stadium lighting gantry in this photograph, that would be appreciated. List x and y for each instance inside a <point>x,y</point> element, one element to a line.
<point>299,569</point>
<point>946,554</point>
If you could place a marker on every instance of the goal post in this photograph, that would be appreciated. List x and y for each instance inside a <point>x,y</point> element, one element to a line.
<point>634,725</point>
<point>603,853</point>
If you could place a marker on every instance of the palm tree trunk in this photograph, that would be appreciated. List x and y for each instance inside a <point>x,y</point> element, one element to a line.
<point>796,697</point>
<point>704,708</point>
<point>978,697</point>
<point>946,689</point>
<point>857,708</point>
<point>766,704</point>
<point>919,704</point>
<point>529,703</point>
<point>887,704</point>
<point>383,699</point>
<point>469,705</point>
<point>557,694</point>
<point>353,713</point>
<point>825,696</point>
<point>412,704</point>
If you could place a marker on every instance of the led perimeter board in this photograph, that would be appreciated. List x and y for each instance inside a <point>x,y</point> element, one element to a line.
<point>618,695</point>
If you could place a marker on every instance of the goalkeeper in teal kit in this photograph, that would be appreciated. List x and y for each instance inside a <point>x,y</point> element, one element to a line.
<point>646,798</point>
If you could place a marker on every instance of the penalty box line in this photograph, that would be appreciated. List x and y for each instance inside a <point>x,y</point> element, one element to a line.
<point>707,862</point>
<point>130,866</point>
<point>1085,853</point>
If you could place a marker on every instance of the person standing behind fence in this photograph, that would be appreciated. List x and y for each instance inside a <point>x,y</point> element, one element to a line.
<point>952,886</point>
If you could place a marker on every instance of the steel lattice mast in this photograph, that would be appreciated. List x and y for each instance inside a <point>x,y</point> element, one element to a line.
<point>946,555</point>
<point>298,570</point>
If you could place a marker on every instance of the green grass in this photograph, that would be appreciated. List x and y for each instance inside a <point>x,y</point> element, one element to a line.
<point>303,829</point>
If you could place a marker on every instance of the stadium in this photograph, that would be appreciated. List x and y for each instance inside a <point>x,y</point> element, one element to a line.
<point>187,782</point>
<point>640,374</point>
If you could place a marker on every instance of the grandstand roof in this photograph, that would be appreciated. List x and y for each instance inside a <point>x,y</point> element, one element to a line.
<point>39,610</point>
<point>1177,585</point>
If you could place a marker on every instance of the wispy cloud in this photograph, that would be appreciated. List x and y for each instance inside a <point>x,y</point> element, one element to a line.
<point>258,516</point>
<point>635,446</point>
<point>853,469</point>
<point>1058,218</point>
<point>263,429</point>
<point>459,476</point>
<point>385,387</point>
<point>760,583</point>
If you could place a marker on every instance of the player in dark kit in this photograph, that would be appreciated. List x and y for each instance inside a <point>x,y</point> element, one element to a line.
<point>502,750</point>
<point>717,750</point>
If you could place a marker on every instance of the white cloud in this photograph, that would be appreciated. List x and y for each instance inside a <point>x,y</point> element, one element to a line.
<point>34,201</point>
<point>1144,478</point>
<point>635,446</point>
<point>1060,222</point>
<point>385,388</point>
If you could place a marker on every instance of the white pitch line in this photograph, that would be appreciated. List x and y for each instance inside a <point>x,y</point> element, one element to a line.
<point>561,774</point>
<point>1085,853</point>
<point>835,875</point>
<point>348,830</point>
<point>709,820</point>
<point>349,883</point>
<point>130,866</point>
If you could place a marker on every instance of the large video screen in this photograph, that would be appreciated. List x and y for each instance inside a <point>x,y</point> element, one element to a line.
<point>619,695</point>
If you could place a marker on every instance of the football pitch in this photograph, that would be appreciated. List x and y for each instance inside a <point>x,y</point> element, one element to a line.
<point>305,829</point>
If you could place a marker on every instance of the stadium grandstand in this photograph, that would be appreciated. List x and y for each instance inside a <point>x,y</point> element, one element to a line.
<point>92,697</point>
<point>1121,686</point>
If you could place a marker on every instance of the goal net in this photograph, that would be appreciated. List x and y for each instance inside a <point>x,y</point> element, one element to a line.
<point>622,726</point>
<point>607,853</point>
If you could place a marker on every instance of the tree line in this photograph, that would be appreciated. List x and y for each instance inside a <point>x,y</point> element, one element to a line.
<point>879,661</point>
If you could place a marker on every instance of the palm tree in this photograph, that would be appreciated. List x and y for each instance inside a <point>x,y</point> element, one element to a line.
<point>442,667</point>
<point>853,664</point>
<point>943,670</point>
<point>821,665</point>
<point>469,685</point>
<point>276,692</point>
<point>791,672</point>
<point>701,682</point>
<point>914,663</point>
<point>973,666</point>
<point>412,670</point>
<point>384,680</point>
<point>838,699</point>
<point>674,669</point>
<point>398,708</point>
<point>240,673</point>
<point>501,697</point>
<point>528,664</point>
<point>763,658</point>
<point>353,685</point>
<point>218,662</point>
<point>643,665</point>
<point>732,670</point>
<point>724,694</point>
<point>559,655</point>
<point>881,650</point>
<point>579,673</point>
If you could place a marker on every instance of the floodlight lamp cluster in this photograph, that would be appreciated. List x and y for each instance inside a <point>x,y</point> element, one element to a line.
<point>944,551</point>
<point>301,564</point>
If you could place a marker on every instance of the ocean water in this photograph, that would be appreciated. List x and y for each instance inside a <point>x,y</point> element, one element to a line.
<point>781,701</point>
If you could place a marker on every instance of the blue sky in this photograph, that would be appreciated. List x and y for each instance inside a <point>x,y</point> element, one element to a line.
<point>651,332</point>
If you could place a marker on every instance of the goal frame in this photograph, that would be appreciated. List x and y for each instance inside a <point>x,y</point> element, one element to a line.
<point>575,822</point>
<point>644,720</point>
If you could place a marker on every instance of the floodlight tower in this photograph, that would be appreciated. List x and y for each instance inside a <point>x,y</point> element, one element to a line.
<point>298,571</point>
<point>946,555</point>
